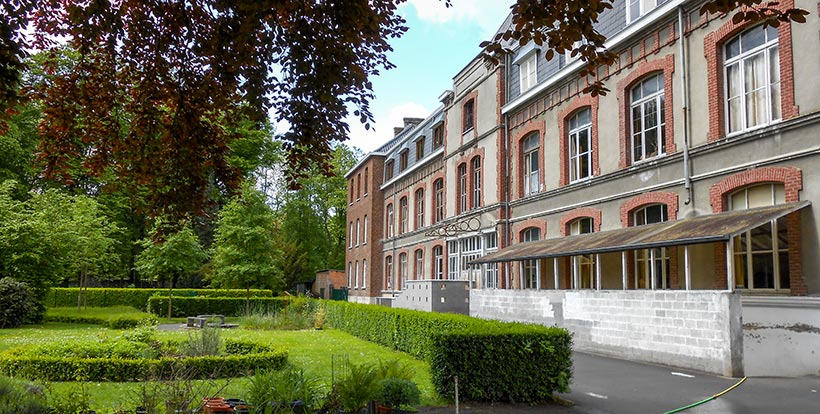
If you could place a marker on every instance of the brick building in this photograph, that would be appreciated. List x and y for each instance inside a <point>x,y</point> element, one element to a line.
<point>668,221</point>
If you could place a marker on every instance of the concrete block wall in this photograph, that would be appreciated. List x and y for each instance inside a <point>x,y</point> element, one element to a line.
<point>699,330</point>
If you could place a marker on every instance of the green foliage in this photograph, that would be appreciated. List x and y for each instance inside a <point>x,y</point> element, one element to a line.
<point>118,317</point>
<point>299,313</point>
<point>16,303</point>
<point>179,255</point>
<point>203,342</point>
<point>21,398</point>
<point>120,361</point>
<point>138,298</point>
<point>191,306</point>
<point>244,253</point>
<point>274,392</point>
<point>358,386</point>
<point>495,361</point>
<point>398,393</point>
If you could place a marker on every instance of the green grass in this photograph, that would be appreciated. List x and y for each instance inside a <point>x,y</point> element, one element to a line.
<point>314,351</point>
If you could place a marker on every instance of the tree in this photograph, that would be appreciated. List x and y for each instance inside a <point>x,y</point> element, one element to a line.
<point>244,253</point>
<point>180,75</point>
<point>168,260</point>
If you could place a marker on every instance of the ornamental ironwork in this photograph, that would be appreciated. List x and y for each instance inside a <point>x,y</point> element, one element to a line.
<point>457,227</point>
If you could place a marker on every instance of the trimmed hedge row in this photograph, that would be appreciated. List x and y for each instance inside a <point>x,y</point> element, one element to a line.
<point>124,370</point>
<point>495,361</point>
<point>137,298</point>
<point>242,357</point>
<point>113,321</point>
<point>228,306</point>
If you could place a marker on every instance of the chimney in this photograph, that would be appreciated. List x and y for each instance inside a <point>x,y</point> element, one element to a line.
<point>412,121</point>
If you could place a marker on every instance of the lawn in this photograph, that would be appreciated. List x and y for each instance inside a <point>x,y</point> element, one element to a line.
<point>317,352</point>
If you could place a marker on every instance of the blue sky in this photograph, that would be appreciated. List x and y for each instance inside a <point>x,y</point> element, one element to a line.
<point>440,42</point>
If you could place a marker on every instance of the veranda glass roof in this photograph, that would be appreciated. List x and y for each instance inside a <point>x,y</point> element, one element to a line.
<point>720,227</point>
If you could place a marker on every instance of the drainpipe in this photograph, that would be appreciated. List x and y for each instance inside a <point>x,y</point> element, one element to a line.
<point>507,230</point>
<point>395,232</point>
<point>687,174</point>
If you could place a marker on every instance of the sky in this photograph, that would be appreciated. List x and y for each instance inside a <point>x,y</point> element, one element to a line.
<point>440,42</point>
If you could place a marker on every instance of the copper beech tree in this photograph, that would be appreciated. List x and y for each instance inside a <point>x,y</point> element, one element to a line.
<point>159,87</point>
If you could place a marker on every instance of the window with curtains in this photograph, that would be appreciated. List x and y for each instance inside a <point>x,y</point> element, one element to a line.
<point>475,164</point>
<point>389,220</point>
<point>585,263</point>
<point>462,188</point>
<point>529,268</point>
<point>752,71</point>
<point>580,145</point>
<point>528,72</point>
<point>419,208</point>
<point>762,253</point>
<point>658,257</point>
<point>647,116</point>
<point>531,178</point>
<point>388,273</point>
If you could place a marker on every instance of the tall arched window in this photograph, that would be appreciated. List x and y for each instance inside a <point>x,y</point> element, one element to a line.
<point>419,208</point>
<point>530,170</point>
<point>389,221</point>
<point>762,253</point>
<point>647,259</point>
<point>580,145</point>
<point>648,117</point>
<point>419,264</point>
<point>402,282</point>
<point>350,242</point>
<point>752,71</point>
<point>349,274</point>
<point>529,268</point>
<point>388,273</point>
<point>403,215</point>
<point>356,276</point>
<point>438,262</point>
<point>438,207</point>
<point>462,188</point>
<point>364,231</point>
<point>364,273</point>
<point>475,165</point>
<point>358,232</point>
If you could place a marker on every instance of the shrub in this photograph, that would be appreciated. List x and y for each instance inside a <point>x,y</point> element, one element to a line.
<point>495,361</point>
<point>276,391</point>
<point>117,317</point>
<point>357,387</point>
<point>137,298</point>
<point>228,306</point>
<point>21,398</point>
<point>16,303</point>
<point>398,393</point>
<point>202,342</point>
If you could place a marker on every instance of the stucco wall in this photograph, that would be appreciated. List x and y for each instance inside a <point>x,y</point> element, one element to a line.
<point>697,330</point>
<point>781,336</point>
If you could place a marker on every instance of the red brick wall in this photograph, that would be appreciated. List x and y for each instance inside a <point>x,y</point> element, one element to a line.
<point>569,217</point>
<point>659,197</point>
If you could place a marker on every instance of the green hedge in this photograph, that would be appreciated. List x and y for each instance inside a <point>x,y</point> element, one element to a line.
<point>228,306</point>
<point>495,361</point>
<point>242,359</point>
<point>122,317</point>
<point>137,298</point>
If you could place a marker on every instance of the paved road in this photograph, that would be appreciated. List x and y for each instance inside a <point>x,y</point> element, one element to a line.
<point>607,385</point>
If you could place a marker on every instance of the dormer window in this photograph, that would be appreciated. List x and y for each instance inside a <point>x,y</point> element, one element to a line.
<point>638,8</point>
<point>528,73</point>
<point>403,157</point>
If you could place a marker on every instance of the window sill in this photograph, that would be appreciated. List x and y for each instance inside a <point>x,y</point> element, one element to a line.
<point>467,131</point>
<point>753,129</point>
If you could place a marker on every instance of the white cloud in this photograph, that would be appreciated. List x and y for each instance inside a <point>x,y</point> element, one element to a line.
<point>487,14</point>
<point>369,140</point>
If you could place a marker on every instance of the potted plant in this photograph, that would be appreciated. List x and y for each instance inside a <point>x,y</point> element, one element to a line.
<point>398,394</point>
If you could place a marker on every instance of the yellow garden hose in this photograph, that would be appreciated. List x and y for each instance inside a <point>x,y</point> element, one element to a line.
<point>720,394</point>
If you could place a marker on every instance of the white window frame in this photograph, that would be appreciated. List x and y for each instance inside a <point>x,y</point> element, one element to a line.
<point>356,276</point>
<point>771,55</point>
<point>531,178</point>
<point>418,257</point>
<point>657,255</point>
<point>585,263</point>
<point>475,164</point>
<point>403,271</point>
<point>404,213</point>
<point>644,7</point>
<point>641,104</point>
<point>574,140</point>
<point>528,72</point>
<point>364,273</point>
<point>531,269</point>
<point>419,208</point>
<point>438,262</point>
<point>364,231</point>
<point>462,188</point>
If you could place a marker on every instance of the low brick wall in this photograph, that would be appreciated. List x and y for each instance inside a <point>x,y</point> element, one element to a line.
<point>699,330</point>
